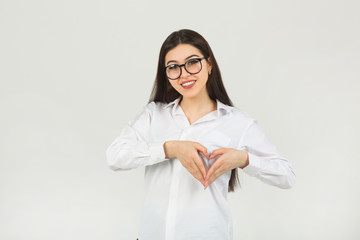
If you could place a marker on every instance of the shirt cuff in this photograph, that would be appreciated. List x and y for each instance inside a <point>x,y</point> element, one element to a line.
<point>157,152</point>
<point>255,164</point>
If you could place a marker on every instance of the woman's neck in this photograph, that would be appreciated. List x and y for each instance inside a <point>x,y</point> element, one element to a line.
<point>196,108</point>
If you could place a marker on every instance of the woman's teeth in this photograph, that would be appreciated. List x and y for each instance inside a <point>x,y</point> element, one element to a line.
<point>187,83</point>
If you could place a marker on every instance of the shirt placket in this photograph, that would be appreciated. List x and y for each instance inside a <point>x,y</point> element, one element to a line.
<point>182,122</point>
<point>173,197</point>
<point>175,181</point>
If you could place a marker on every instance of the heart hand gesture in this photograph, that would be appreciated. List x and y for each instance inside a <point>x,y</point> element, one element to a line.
<point>188,154</point>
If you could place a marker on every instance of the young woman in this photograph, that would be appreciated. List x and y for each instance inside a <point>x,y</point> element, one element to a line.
<point>192,141</point>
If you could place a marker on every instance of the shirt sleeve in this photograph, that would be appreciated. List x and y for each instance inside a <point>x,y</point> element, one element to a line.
<point>133,148</point>
<point>265,162</point>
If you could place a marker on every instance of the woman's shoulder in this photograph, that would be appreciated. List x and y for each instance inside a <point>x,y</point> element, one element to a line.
<point>238,114</point>
<point>233,111</point>
<point>242,113</point>
<point>155,106</point>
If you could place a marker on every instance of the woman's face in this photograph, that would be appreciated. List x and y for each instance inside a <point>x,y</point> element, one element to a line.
<point>188,85</point>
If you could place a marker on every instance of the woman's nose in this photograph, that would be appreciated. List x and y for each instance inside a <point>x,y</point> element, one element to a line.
<point>183,72</point>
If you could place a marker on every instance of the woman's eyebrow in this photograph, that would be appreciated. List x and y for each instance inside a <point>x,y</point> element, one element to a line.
<point>194,55</point>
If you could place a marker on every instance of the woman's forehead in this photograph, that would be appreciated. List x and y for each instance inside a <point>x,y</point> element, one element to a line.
<point>181,52</point>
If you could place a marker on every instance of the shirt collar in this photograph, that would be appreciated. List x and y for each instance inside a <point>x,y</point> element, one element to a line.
<point>175,107</point>
<point>222,109</point>
<point>174,103</point>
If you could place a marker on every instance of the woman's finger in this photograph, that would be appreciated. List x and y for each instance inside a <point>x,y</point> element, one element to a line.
<point>220,170</point>
<point>212,170</point>
<point>217,152</point>
<point>202,149</point>
<point>196,173</point>
<point>200,166</point>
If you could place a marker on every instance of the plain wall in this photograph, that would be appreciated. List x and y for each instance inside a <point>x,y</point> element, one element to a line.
<point>72,73</point>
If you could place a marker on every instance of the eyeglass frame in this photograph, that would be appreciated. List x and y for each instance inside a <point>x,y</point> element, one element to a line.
<point>183,65</point>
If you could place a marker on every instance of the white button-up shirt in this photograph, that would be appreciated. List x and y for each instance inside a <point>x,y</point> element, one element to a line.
<point>176,206</point>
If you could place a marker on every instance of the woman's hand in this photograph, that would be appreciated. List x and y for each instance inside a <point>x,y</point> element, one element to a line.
<point>230,158</point>
<point>187,153</point>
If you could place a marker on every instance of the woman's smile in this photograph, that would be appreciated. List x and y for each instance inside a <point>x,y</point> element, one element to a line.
<point>188,84</point>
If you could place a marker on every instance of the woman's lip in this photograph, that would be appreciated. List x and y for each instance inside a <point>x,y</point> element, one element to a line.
<point>187,81</point>
<point>189,85</point>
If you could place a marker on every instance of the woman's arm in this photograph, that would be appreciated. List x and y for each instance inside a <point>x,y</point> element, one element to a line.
<point>133,148</point>
<point>265,162</point>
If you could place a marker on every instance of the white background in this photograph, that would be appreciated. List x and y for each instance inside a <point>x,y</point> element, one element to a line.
<point>73,72</point>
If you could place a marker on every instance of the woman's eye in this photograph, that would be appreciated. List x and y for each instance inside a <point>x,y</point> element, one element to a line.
<point>172,67</point>
<point>192,62</point>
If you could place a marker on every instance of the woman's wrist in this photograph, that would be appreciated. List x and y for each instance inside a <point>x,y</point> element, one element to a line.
<point>244,160</point>
<point>168,146</point>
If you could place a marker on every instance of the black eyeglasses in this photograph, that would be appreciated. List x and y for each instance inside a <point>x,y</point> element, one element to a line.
<point>192,66</point>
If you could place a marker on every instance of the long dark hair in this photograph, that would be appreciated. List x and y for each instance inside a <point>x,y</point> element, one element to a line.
<point>163,91</point>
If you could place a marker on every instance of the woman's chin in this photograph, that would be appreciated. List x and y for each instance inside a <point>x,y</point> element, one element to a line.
<point>189,95</point>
